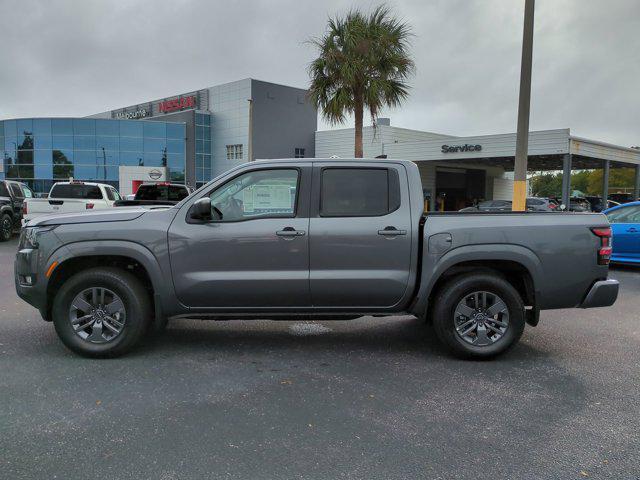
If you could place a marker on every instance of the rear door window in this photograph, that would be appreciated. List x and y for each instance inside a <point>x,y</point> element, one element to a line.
<point>76,191</point>
<point>359,192</point>
<point>16,191</point>
<point>4,192</point>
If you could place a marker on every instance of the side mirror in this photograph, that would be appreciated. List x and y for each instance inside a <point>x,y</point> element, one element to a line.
<point>201,209</point>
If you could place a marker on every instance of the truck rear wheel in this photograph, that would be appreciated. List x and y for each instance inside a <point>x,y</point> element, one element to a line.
<point>6,227</point>
<point>101,312</point>
<point>478,315</point>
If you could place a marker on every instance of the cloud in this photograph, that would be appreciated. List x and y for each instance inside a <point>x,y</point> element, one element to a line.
<point>76,58</point>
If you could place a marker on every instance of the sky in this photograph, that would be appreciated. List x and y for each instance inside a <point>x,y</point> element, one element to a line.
<point>75,58</point>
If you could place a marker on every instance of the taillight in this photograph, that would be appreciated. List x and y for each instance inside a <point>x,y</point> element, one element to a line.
<point>24,208</point>
<point>89,206</point>
<point>604,252</point>
<point>552,206</point>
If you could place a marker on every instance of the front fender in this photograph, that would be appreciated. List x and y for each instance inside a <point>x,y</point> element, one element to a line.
<point>160,277</point>
<point>434,266</point>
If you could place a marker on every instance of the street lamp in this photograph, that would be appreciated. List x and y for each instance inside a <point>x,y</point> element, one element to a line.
<point>519,203</point>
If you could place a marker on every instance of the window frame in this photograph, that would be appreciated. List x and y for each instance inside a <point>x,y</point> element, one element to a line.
<point>346,167</point>
<point>239,174</point>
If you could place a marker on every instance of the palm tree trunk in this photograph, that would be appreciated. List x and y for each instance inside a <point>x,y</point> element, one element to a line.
<point>358,113</point>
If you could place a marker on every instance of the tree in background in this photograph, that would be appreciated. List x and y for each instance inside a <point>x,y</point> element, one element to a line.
<point>363,62</point>
<point>586,181</point>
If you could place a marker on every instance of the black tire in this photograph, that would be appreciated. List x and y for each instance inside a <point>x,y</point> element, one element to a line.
<point>6,227</point>
<point>135,299</point>
<point>459,288</point>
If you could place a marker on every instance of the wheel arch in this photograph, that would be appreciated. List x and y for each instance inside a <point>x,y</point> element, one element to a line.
<point>128,256</point>
<point>518,265</point>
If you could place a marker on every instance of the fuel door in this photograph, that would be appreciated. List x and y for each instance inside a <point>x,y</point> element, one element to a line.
<point>440,242</point>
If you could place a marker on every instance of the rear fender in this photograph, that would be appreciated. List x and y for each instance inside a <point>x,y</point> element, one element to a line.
<point>433,267</point>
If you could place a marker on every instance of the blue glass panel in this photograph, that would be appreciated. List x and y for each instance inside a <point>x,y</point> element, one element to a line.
<point>199,175</point>
<point>130,128</point>
<point>43,157</point>
<point>25,156</point>
<point>176,175</point>
<point>199,119</point>
<point>84,126</point>
<point>110,157</point>
<point>62,157</point>
<point>63,172</point>
<point>207,120</point>
<point>113,173</point>
<point>199,146</point>
<point>175,146</point>
<point>175,130</point>
<point>25,142</point>
<point>154,144</point>
<point>84,142</point>
<point>62,142</point>
<point>207,133</point>
<point>42,142</point>
<point>10,128</point>
<point>131,158</point>
<point>1,129</point>
<point>199,133</point>
<point>88,172</point>
<point>44,170</point>
<point>11,144</point>
<point>24,127</point>
<point>199,161</point>
<point>130,144</point>
<point>175,161</point>
<point>108,143</point>
<point>206,174</point>
<point>86,157</point>
<point>206,161</point>
<point>207,147</point>
<point>155,130</point>
<point>42,126</point>
<point>61,126</point>
<point>108,127</point>
<point>153,160</point>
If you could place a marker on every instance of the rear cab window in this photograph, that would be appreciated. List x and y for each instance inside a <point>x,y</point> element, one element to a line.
<point>358,192</point>
<point>4,191</point>
<point>76,191</point>
<point>16,191</point>
<point>162,192</point>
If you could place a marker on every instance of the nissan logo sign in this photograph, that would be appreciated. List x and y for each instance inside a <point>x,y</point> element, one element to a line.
<point>155,174</point>
<point>461,148</point>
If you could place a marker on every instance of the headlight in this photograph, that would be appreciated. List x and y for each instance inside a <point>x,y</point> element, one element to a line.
<point>30,236</point>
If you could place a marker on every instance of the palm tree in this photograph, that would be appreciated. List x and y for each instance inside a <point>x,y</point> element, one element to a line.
<point>363,62</point>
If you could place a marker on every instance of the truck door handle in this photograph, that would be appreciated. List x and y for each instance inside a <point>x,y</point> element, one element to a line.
<point>391,232</point>
<point>290,232</point>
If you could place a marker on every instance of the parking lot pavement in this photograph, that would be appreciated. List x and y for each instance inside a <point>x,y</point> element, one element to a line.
<point>370,398</point>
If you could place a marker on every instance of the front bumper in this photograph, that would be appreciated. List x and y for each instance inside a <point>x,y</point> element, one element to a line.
<point>603,293</point>
<point>26,266</point>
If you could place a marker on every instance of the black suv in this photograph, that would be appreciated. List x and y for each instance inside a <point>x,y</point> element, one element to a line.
<point>12,195</point>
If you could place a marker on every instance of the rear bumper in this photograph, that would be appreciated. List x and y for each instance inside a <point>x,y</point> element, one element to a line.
<point>603,293</point>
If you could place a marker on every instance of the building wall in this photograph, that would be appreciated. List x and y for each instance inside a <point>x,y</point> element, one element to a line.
<point>283,120</point>
<point>341,142</point>
<point>229,106</point>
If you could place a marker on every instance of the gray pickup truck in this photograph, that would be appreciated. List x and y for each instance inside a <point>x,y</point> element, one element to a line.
<point>310,239</point>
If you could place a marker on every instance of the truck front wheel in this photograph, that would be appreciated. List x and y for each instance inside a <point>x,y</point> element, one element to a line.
<point>101,312</point>
<point>478,315</point>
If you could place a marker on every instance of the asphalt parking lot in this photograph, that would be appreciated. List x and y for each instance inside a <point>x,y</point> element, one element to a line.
<point>370,398</point>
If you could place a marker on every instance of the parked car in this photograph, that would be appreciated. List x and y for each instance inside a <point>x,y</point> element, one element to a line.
<point>12,196</point>
<point>73,196</point>
<point>579,204</point>
<point>536,204</point>
<point>625,224</point>
<point>289,239</point>
<point>161,193</point>
<point>597,205</point>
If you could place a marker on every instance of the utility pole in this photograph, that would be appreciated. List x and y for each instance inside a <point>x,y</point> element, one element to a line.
<point>522,139</point>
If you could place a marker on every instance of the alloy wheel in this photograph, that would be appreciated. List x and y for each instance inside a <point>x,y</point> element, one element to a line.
<point>97,315</point>
<point>481,318</point>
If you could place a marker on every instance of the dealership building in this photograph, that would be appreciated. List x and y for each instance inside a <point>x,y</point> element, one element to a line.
<point>188,138</point>
<point>456,171</point>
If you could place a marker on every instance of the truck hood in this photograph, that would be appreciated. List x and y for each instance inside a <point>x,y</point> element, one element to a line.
<point>98,216</point>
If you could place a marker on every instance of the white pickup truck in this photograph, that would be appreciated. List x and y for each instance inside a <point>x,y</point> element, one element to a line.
<point>73,196</point>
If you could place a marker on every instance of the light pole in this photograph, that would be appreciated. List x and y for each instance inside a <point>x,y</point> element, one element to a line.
<point>522,137</point>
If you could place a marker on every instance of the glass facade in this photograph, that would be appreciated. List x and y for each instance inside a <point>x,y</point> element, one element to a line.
<point>203,148</point>
<point>41,151</point>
